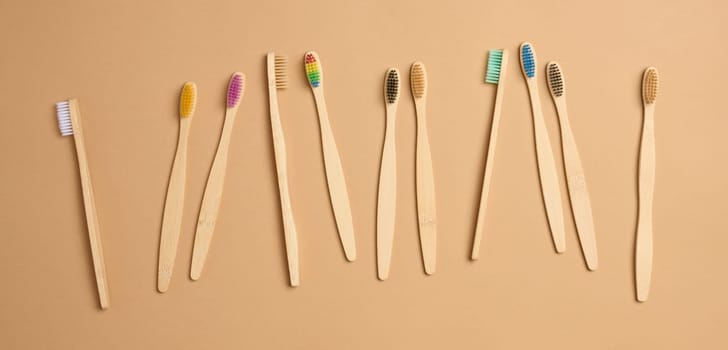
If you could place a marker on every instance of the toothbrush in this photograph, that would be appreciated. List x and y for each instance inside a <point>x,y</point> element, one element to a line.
<point>69,123</point>
<point>576,183</point>
<point>387,208</point>
<point>427,217</point>
<point>334,172</point>
<point>174,204</point>
<point>643,251</point>
<point>546,165</point>
<point>216,180</point>
<point>278,79</point>
<point>495,74</point>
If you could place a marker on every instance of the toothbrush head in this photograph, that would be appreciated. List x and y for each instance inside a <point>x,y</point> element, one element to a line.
<point>418,80</point>
<point>650,85</point>
<point>391,85</point>
<point>281,71</point>
<point>555,79</point>
<point>63,113</point>
<point>188,100</point>
<point>235,89</point>
<point>528,60</point>
<point>313,69</point>
<point>493,71</point>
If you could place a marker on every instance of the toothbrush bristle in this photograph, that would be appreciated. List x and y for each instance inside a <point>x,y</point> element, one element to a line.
<point>492,74</point>
<point>313,69</point>
<point>235,89</point>
<point>281,71</point>
<point>555,79</point>
<point>418,80</point>
<point>63,113</point>
<point>188,100</point>
<point>650,85</point>
<point>528,60</point>
<point>392,85</point>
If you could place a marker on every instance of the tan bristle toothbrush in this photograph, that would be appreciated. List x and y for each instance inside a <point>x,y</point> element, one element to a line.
<point>387,200</point>
<point>216,180</point>
<point>424,177</point>
<point>643,249</point>
<point>69,123</point>
<point>174,204</point>
<point>544,153</point>
<point>334,172</point>
<point>576,182</point>
<point>278,80</point>
<point>495,74</point>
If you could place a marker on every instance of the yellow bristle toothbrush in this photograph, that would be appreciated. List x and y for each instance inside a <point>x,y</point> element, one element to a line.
<point>216,180</point>
<point>546,165</point>
<point>643,249</point>
<point>69,123</point>
<point>426,213</point>
<point>576,182</point>
<point>174,204</point>
<point>387,200</point>
<point>495,74</point>
<point>278,79</point>
<point>334,172</point>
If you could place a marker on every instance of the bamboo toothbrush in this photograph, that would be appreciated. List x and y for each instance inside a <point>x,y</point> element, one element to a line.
<point>174,204</point>
<point>546,164</point>
<point>278,79</point>
<point>387,208</point>
<point>643,251</point>
<point>216,180</point>
<point>576,182</point>
<point>427,217</point>
<point>69,123</point>
<point>495,74</point>
<point>334,172</point>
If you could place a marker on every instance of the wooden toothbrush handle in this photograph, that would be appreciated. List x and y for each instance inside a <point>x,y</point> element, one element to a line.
<point>489,162</point>
<point>173,208</point>
<point>387,199</point>
<point>279,149</point>
<point>643,249</point>
<point>578,193</point>
<point>335,178</point>
<point>426,208</point>
<point>547,172</point>
<point>211,199</point>
<point>92,221</point>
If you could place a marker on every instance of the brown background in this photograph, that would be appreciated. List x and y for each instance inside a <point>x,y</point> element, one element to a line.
<point>126,61</point>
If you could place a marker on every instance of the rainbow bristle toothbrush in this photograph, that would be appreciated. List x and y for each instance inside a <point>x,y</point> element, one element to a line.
<point>334,172</point>
<point>495,74</point>
<point>69,123</point>
<point>576,182</point>
<point>174,204</point>
<point>387,199</point>
<point>424,177</point>
<point>216,180</point>
<point>643,249</point>
<point>546,164</point>
<point>278,79</point>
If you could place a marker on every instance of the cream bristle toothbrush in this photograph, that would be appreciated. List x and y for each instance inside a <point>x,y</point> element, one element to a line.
<point>216,180</point>
<point>424,177</point>
<point>643,249</point>
<point>334,172</point>
<point>278,79</point>
<point>546,164</point>
<point>495,74</point>
<point>576,182</point>
<point>387,200</point>
<point>174,204</point>
<point>69,123</point>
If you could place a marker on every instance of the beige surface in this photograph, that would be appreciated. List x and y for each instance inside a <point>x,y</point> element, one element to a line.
<point>126,61</point>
